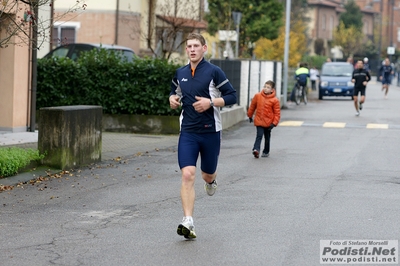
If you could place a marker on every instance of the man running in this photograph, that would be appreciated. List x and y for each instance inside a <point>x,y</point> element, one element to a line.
<point>201,88</point>
<point>386,72</point>
<point>360,79</point>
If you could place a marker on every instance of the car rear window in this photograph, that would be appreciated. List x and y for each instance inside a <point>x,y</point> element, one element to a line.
<point>61,52</point>
<point>125,54</point>
<point>337,70</point>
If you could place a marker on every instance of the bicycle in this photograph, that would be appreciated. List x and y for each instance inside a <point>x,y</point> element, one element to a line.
<point>300,94</point>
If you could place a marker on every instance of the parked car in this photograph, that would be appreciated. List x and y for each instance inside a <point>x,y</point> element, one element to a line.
<point>335,80</point>
<point>73,50</point>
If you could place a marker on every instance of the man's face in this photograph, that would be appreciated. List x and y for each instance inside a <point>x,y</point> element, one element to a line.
<point>360,64</point>
<point>195,50</point>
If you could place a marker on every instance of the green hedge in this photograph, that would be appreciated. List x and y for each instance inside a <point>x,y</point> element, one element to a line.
<point>100,77</point>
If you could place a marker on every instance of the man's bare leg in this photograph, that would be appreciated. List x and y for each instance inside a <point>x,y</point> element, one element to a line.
<point>186,227</point>
<point>187,190</point>
<point>356,102</point>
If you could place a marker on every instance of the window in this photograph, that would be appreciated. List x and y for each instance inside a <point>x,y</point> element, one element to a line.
<point>172,41</point>
<point>366,27</point>
<point>323,22</point>
<point>64,33</point>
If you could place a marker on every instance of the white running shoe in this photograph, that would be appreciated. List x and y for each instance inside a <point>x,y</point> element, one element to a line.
<point>211,188</point>
<point>358,113</point>
<point>186,229</point>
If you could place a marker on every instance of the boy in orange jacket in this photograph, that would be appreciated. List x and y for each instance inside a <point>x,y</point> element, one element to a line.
<point>267,116</point>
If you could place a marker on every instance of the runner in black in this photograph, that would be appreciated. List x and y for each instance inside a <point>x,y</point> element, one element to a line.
<point>360,78</point>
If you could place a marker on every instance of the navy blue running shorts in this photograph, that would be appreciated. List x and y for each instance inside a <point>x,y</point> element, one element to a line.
<point>207,144</point>
<point>386,80</point>
<point>361,90</point>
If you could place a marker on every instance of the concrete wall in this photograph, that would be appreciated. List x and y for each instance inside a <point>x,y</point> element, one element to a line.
<point>70,136</point>
<point>164,124</point>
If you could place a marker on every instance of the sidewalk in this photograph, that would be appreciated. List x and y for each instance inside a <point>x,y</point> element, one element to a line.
<point>114,145</point>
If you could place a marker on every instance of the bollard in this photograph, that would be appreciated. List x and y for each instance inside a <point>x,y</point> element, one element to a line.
<point>70,136</point>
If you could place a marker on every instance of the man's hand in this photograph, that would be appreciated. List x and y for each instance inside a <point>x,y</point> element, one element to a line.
<point>353,80</point>
<point>271,127</point>
<point>202,104</point>
<point>365,83</point>
<point>250,120</point>
<point>174,101</point>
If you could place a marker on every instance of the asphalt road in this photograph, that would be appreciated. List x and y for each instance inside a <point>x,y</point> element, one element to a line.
<point>330,176</point>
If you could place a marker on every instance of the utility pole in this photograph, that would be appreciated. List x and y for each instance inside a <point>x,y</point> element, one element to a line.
<point>237,16</point>
<point>116,23</point>
<point>380,29</point>
<point>286,53</point>
<point>34,64</point>
<point>391,22</point>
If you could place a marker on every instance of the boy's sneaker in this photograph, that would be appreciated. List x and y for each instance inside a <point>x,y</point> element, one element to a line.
<point>358,113</point>
<point>265,155</point>
<point>211,188</point>
<point>360,106</point>
<point>186,229</point>
<point>255,153</point>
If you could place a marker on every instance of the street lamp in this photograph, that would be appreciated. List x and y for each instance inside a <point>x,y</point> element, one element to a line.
<point>237,16</point>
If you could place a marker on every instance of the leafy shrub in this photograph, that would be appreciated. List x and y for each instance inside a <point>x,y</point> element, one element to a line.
<point>100,77</point>
<point>14,159</point>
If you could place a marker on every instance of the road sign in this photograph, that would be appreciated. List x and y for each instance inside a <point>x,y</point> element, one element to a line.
<point>227,35</point>
<point>391,50</point>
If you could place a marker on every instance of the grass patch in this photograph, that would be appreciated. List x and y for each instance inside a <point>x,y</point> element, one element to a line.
<point>14,159</point>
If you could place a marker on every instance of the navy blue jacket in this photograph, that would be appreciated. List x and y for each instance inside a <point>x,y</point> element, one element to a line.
<point>209,81</point>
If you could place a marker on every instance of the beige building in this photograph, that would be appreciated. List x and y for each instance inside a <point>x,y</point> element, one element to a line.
<point>143,25</point>
<point>138,24</point>
<point>324,18</point>
<point>15,71</point>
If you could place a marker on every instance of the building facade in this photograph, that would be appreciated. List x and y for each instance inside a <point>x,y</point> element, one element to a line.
<point>137,24</point>
<point>324,18</point>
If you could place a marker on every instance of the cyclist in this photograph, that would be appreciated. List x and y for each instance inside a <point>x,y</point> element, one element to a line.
<point>301,75</point>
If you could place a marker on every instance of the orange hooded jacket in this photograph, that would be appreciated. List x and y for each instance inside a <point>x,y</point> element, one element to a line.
<point>267,108</point>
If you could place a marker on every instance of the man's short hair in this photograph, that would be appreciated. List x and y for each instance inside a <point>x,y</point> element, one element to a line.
<point>196,36</point>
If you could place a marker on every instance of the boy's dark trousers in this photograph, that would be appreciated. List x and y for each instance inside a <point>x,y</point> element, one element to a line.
<point>313,83</point>
<point>262,131</point>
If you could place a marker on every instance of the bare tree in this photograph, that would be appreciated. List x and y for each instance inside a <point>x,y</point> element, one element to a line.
<point>168,25</point>
<point>18,18</point>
